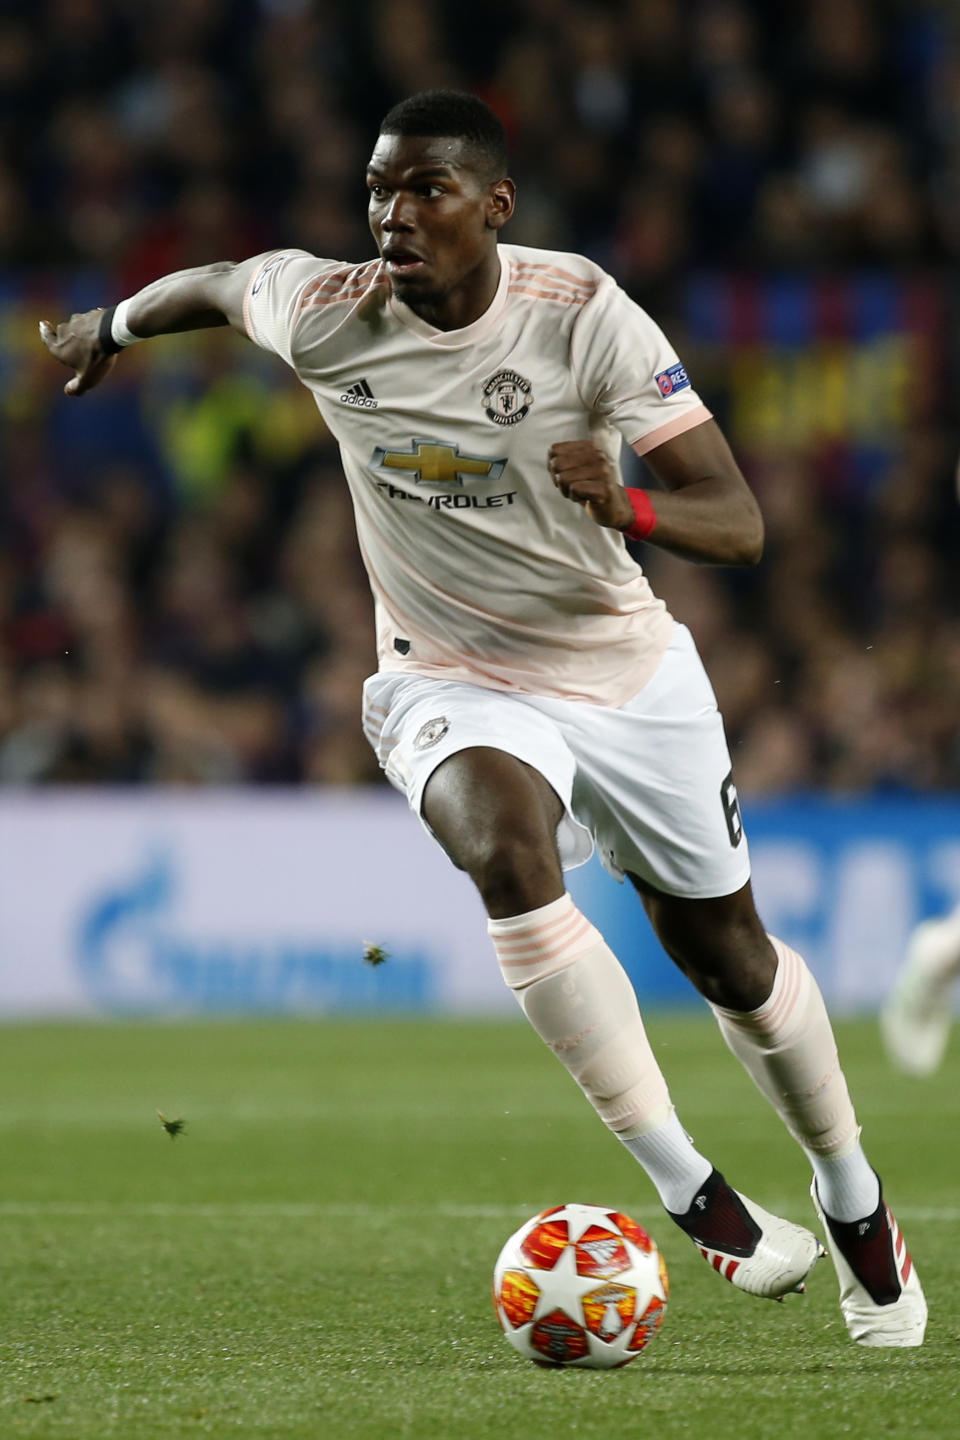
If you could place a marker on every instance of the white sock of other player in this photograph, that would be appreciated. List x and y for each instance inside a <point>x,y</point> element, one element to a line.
<point>787,1047</point>
<point>916,1019</point>
<point>940,961</point>
<point>576,994</point>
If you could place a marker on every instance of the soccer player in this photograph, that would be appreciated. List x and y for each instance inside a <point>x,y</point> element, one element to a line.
<point>915,1021</point>
<point>533,697</point>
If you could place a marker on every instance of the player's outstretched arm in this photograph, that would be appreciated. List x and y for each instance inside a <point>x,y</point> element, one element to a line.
<point>706,511</point>
<point>187,300</point>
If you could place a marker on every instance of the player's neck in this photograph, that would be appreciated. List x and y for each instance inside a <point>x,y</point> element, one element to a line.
<point>466,302</point>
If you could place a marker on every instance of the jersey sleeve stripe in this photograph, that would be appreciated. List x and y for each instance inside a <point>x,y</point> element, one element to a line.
<point>333,284</point>
<point>565,297</point>
<point>343,297</point>
<point>529,269</point>
<point>689,420</point>
<point>551,282</point>
<point>342,285</point>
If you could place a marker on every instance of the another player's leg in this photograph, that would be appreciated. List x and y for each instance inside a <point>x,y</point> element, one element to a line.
<point>497,818</point>
<point>915,1021</point>
<point>772,1016</point>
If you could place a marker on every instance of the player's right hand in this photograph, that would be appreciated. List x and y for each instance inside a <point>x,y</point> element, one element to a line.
<point>584,474</point>
<point>76,344</point>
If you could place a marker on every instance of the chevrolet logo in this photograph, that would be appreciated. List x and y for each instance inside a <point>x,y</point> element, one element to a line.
<point>431,462</point>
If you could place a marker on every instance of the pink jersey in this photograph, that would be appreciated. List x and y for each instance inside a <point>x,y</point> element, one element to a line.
<point>480,569</point>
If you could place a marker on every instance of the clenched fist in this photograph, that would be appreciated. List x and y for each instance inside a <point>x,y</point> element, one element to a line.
<point>586,475</point>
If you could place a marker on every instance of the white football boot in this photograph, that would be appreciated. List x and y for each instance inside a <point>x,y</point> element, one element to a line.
<point>892,1312</point>
<point>915,1021</point>
<point>757,1252</point>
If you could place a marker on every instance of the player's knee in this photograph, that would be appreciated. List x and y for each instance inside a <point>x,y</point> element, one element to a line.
<point>735,970</point>
<point>733,981</point>
<point>723,950</point>
<point>515,872</point>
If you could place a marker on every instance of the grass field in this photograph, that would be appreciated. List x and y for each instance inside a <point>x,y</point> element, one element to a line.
<point>312,1257</point>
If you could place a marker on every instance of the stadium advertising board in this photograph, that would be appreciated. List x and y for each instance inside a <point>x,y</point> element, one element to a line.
<point>231,902</point>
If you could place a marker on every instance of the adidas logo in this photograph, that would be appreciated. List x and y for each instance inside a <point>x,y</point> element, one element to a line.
<point>359,395</point>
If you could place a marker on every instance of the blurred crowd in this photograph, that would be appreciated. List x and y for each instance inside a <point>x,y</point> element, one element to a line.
<point>181,596</point>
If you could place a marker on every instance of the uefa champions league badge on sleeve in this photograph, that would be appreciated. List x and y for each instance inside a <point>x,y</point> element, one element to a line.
<point>507,397</point>
<point>673,378</point>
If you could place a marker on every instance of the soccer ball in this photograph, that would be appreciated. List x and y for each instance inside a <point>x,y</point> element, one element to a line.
<point>581,1286</point>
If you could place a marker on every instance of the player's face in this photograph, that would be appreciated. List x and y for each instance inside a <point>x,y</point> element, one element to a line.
<point>435,223</point>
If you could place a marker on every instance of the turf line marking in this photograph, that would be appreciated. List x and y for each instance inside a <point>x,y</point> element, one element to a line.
<point>949,1215</point>
<point>362,1210</point>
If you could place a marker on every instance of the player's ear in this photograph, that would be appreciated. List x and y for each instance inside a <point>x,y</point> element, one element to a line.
<point>501,199</point>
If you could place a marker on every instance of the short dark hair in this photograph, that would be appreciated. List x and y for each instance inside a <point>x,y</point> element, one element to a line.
<point>457,114</point>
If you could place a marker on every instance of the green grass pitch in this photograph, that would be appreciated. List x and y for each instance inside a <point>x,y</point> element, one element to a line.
<point>311,1258</point>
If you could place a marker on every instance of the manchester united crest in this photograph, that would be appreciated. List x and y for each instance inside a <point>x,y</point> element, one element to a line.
<point>507,397</point>
<point>431,733</point>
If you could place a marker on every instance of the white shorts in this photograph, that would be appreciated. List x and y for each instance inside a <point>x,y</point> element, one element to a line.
<point>650,783</point>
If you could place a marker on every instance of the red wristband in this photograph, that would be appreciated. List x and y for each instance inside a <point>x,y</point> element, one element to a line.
<point>644,513</point>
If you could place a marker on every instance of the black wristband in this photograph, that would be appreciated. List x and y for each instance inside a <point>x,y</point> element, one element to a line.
<point>105,338</point>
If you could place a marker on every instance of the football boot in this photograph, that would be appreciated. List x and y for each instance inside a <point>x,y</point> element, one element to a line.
<point>880,1293</point>
<point>756,1251</point>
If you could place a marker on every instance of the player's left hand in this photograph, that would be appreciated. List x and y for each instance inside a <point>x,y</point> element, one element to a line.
<point>585,475</point>
<point>76,344</point>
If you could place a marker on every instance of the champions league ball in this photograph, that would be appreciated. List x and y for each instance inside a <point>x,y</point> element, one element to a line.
<point>580,1286</point>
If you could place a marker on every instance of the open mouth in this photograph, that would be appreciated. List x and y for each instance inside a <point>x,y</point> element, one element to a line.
<point>402,262</point>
